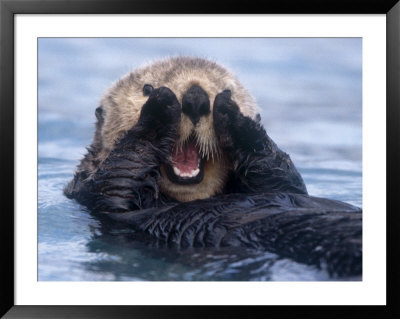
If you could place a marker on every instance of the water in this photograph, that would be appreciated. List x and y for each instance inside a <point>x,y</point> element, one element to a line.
<point>309,91</point>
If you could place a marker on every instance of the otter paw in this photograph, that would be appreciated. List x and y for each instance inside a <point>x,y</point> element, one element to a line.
<point>162,108</point>
<point>225,114</point>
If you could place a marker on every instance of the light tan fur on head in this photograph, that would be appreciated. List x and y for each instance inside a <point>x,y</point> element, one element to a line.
<point>122,103</point>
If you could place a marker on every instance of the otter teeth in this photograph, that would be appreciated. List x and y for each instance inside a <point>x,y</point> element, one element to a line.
<point>193,173</point>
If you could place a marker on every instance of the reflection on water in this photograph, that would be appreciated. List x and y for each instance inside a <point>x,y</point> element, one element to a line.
<point>309,91</point>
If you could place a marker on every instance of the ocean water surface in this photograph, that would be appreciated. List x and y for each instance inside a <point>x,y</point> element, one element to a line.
<point>310,97</point>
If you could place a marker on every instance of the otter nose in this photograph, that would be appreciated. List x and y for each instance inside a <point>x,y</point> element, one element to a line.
<point>195,103</point>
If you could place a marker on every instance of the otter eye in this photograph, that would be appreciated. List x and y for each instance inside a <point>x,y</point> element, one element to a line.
<point>147,89</point>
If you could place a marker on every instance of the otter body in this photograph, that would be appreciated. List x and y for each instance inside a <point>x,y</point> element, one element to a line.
<point>183,136</point>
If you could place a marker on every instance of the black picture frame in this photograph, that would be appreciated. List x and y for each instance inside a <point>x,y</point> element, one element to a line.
<point>9,8</point>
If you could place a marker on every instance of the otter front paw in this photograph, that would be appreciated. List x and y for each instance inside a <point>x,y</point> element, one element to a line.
<point>162,110</point>
<point>225,114</point>
<point>158,122</point>
<point>233,129</point>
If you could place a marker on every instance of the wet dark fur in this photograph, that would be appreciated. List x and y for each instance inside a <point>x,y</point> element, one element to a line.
<point>264,204</point>
<point>314,231</point>
<point>127,179</point>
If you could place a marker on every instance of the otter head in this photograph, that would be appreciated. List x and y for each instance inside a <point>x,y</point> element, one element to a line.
<point>196,167</point>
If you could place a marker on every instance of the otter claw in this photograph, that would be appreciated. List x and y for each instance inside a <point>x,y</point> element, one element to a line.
<point>161,105</point>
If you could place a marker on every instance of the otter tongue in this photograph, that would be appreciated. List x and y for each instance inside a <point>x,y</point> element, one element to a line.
<point>186,159</point>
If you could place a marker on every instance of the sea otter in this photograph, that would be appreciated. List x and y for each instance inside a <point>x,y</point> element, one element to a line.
<point>180,153</point>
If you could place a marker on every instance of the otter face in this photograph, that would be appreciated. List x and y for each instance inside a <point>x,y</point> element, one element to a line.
<point>196,168</point>
<point>191,151</point>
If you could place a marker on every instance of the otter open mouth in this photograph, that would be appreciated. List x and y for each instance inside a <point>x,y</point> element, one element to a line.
<point>187,165</point>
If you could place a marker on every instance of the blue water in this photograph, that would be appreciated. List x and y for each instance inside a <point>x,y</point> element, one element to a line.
<point>310,95</point>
